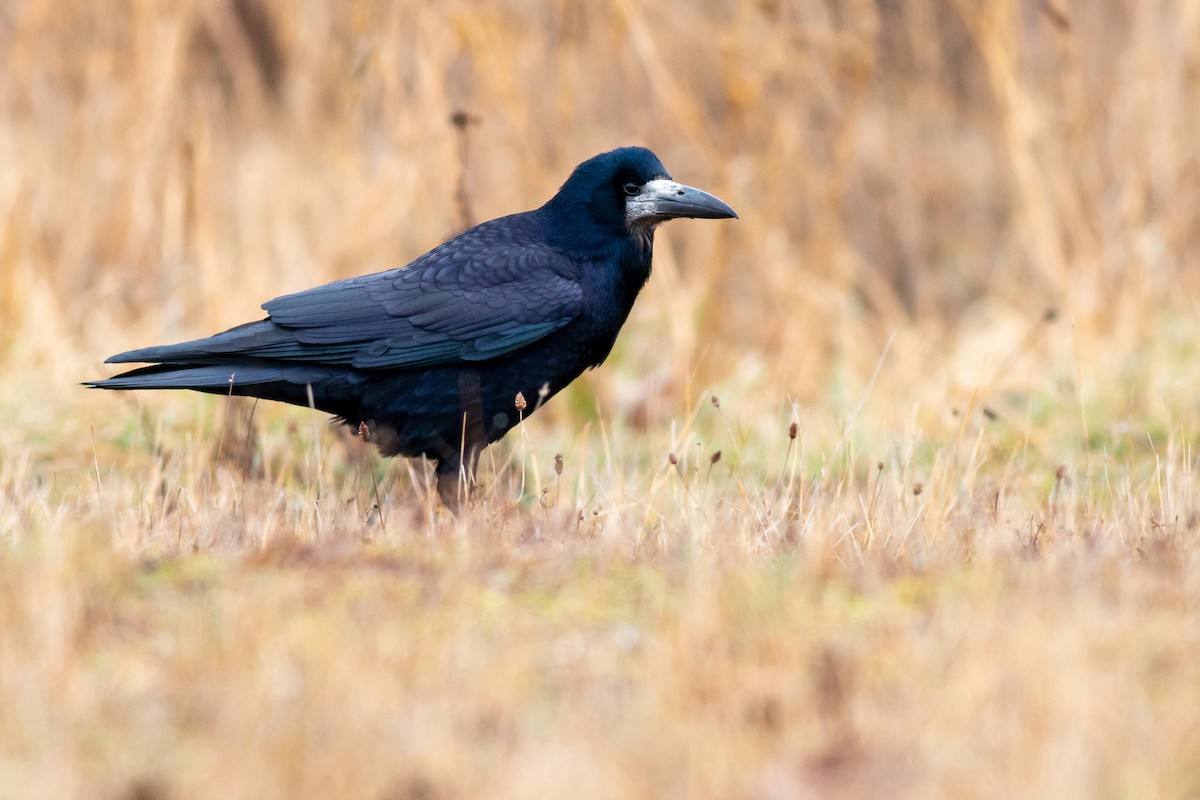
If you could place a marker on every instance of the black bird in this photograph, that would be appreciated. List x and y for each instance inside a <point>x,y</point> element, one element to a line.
<point>431,356</point>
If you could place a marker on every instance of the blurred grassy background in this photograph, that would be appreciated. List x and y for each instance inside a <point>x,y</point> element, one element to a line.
<point>966,266</point>
<point>941,171</point>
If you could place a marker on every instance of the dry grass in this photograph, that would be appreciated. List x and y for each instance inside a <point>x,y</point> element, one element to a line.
<point>966,268</point>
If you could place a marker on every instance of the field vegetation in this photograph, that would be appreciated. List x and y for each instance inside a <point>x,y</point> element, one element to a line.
<point>889,489</point>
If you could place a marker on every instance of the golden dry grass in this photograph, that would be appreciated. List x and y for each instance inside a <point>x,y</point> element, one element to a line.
<point>966,268</point>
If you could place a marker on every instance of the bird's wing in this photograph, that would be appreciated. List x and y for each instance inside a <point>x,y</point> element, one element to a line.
<point>479,296</point>
<point>464,301</point>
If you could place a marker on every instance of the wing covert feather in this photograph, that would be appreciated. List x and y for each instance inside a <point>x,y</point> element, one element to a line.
<point>472,299</point>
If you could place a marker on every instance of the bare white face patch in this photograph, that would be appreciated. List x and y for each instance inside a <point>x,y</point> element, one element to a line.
<point>662,199</point>
<point>644,207</point>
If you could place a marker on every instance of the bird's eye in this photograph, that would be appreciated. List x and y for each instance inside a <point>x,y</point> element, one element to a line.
<point>631,189</point>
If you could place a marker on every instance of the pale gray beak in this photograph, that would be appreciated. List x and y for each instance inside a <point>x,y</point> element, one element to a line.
<point>663,199</point>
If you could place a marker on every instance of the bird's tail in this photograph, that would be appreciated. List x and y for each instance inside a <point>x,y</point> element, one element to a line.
<point>200,377</point>
<point>297,385</point>
<point>255,359</point>
<point>259,340</point>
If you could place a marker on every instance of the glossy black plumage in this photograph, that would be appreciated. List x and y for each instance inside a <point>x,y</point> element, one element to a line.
<point>432,356</point>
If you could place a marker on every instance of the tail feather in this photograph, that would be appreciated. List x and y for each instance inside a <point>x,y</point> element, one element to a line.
<point>203,377</point>
<point>257,338</point>
<point>207,377</point>
<point>258,359</point>
<point>298,385</point>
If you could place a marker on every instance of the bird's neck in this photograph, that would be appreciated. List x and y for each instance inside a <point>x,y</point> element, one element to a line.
<point>613,243</point>
<point>630,261</point>
<point>640,258</point>
<point>612,284</point>
<point>643,239</point>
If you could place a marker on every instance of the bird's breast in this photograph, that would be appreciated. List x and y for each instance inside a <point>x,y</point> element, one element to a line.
<point>608,297</point>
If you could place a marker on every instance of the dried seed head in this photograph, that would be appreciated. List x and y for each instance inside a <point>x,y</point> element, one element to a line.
<point>364,432</point>
<point>793,429</point>
<point>715,457</point>
<point>461,118</point>
<point>879,466</point>
<point>544,392</point>
<point>918,487</point>
<point>521,404</point>
<point>1060,472</point>
<point>558,463</point>
<point>716,401</point>
<point>674,459</point>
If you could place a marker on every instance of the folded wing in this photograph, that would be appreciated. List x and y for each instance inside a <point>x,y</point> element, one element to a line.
<point>480,296</point>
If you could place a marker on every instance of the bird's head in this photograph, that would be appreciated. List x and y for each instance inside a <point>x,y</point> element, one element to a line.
<point>629,192</point>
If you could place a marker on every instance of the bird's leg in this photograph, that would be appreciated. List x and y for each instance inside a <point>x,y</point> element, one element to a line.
<point>456,478</point>
<point>456,470</point>
<point>450,487</point>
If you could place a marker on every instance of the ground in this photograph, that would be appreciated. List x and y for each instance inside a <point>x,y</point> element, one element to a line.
<point>889,489</point>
